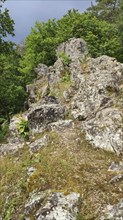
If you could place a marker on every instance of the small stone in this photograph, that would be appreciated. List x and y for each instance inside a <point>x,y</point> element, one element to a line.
<point>117,178</point>
<point>30,171</point>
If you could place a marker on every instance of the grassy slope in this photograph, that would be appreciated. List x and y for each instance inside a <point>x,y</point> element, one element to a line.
<point>67,164</point>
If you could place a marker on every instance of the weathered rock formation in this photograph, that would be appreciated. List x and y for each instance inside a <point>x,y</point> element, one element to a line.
<point>113,212</point>
<point>42,115</point>
<point>94,96</point>
<point>52,206</point>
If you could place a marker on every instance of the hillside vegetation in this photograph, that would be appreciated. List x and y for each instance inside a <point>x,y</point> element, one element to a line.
<point>61,121</point>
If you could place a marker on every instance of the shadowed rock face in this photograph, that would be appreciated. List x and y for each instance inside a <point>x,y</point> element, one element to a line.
<point>42,115</point>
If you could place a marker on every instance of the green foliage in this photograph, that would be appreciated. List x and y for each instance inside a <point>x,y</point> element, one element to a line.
<point>23,129</point>
<point>10,208</point>
<point>40,47</point>
<point>12,91</point>
<point>107,10</point>
<point>12,83</point>
<point>101,37</point>
<point>6,28</point>
<point>66,59</point>
<point>4,130</point>
<point>66,76</point>
<point>119,25</point>
<point>111,11</point>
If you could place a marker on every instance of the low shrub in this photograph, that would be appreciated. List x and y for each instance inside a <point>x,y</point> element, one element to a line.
<point>66,59</point>
<point>23,129</point>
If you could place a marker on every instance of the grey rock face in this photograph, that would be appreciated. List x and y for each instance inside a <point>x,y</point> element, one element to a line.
<point>54,206</point>
<point>37,90</point>
<point>73,48</point>
<point>105,130</point>
<point>34,202</point>
<point>58,68</point>
<point>99,105</point>
<point>38,144</point>
<point>94,96</point>
<point>32,93</point>
<point>14,141</point>
<point>114,212</point>
<point>61,124</point>
<point>116,167</point>
<point>13,128</point>
<point>42,115</point>
<point>10,148</point>
<point>117,178</point>
<point>42,70</point>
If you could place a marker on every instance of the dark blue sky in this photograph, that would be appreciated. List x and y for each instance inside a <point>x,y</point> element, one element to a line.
<point>26,13</point>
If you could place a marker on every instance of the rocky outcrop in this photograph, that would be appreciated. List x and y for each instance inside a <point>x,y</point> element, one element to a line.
<point>42,115</point>
<point>52,206</point>
<point>42,71</point>
<point>73,48</point>
<point>94,96</point>
<point>113,212</point>
<point>98,103</point>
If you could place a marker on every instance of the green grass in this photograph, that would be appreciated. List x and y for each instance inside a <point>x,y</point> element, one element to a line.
<point>65,165</point>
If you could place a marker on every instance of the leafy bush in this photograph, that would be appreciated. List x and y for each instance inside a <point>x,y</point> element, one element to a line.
<point>66,76</point>
<point>42,42</point>
<point>23,129</point>
<point>66,59</point>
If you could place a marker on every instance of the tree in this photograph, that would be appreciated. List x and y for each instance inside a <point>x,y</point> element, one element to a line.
<point>101,37</point>
<point>120,30</point>
<point>41,44</point>
<point>107,10</point>
<point>112,12</point>
<point>12,91</point>
<point>40,47</point>
<point>6,28</point>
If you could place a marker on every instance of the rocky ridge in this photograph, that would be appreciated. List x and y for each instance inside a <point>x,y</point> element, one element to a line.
<point>77,95</point>
<point>94,96</point>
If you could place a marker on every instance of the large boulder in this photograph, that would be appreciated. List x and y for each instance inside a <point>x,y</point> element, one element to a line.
<point>40,116</point>
<point>52,206</point>
<point>105,130</point>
